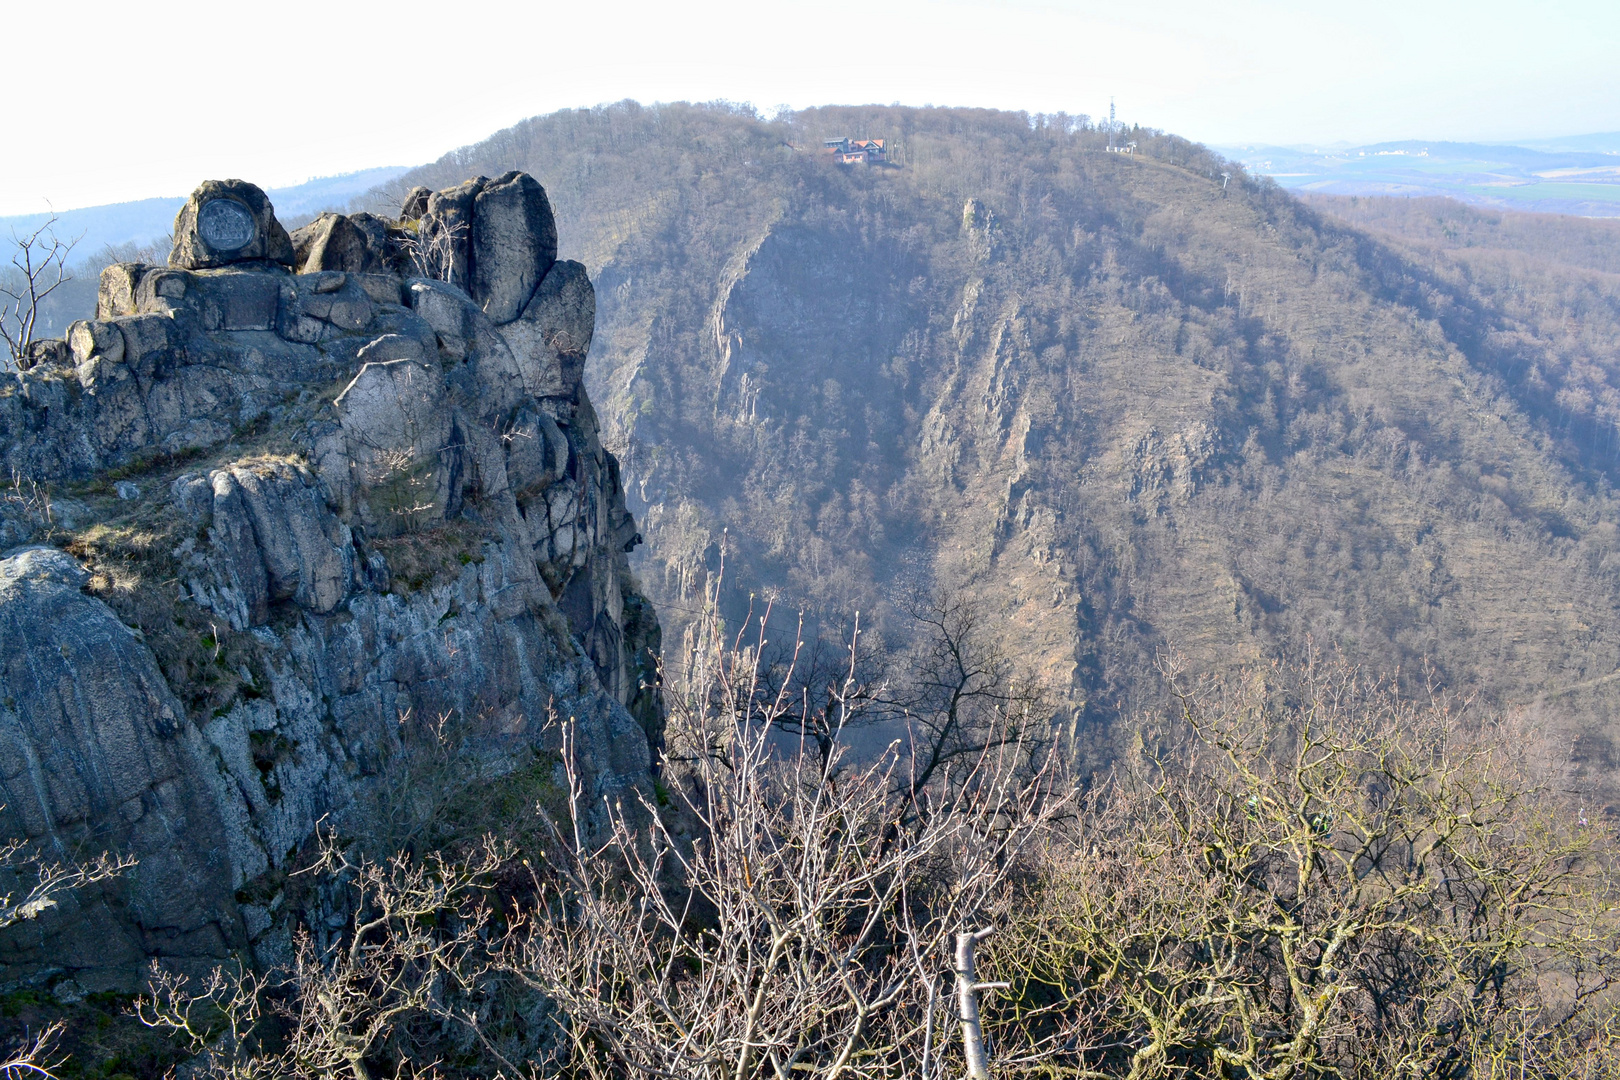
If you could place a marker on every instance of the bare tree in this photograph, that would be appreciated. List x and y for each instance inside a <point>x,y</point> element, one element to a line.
<point>39,262</point>
<point>959,690</point>
<point>1325,879</point>
<point>47,879</point>
<point>782,917</point>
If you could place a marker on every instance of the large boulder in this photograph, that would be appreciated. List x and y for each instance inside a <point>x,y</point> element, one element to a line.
<point>49,352</point>
<point>225,222</point>
<point>499,239</point>
<point>137,288</point>
<point>415,203</point>
<point>276,542</point>
<point>488,371</point>
<point>551,339</point>
<point>353,243</point>
<point>389,461</point>
<point>514,243</point>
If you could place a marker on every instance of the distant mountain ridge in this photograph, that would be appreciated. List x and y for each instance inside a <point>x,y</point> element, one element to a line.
<point>145,220</point>
<point>1134,404</point>
<point>1603,142</point>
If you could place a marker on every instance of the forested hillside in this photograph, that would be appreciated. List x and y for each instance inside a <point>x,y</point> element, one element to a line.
<point>331,737</point>
<point>1128,403</point>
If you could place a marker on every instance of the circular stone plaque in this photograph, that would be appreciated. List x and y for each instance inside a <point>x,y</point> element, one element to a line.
<point>225,225</point>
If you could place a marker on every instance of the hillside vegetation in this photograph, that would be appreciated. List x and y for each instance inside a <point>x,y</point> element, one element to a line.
<point>1128,438</point>
<point>1129,403</point>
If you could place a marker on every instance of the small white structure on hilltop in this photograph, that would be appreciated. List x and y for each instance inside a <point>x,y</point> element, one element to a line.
<point>1114,127</point>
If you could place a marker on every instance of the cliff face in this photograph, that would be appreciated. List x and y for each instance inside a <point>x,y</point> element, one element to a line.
<point>1129,405</point>
<point>333,538</point>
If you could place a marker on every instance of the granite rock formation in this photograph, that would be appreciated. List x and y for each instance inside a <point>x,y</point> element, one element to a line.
<point>228,222</point>
<point>301,518</point>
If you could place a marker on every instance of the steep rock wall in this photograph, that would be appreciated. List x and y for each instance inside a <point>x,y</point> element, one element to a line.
<point>339,528</point>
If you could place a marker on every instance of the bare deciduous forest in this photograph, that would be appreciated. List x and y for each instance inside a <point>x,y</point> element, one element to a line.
<point>1207,593</point>
<point>1129,403</point>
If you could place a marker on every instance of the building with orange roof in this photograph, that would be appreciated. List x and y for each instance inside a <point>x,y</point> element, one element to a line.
<point>847,151</point>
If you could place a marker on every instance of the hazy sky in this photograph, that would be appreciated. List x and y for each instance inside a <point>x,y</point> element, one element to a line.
<point>129,100</point>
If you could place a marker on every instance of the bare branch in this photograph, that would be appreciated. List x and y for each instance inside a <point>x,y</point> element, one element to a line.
<point>39,264</point>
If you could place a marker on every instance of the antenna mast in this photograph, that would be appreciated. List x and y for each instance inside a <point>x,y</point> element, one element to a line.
<point>1111,123</point>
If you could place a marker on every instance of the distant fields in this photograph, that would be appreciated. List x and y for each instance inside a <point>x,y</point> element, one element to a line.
<point>1580,176</point>
<point>1529,194</point>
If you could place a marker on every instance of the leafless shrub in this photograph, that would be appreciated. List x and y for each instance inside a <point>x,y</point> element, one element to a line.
<point>1326,879</point>
<point>785,916</point>
<point>35,1058</point>
<point>29,496</point>
<point>430,247</point>
<point>414,940</point>
<point>46,880</point>
<point>43,881</point>
<point>1303,875</point>
<point>404,485</point>
<point>39,265</point>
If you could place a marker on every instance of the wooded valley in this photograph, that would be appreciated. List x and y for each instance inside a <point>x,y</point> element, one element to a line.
<point>1131,404</point>
<point>1093,614</point>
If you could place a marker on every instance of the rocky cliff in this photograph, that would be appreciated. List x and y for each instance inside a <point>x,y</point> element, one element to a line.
<point>309,528</point>
<point>1129,405</point>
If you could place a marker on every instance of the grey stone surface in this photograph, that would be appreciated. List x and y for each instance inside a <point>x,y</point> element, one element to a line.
<point>115,295</point>
<point>416,203</point>
<point>552,338</point>
<point>355,243</point>
<point>226,209</point>
<point>90,338</point>
<point>502,237</point>
<point>486,368</point>
<point>282,541</point>
<point>97,754</point>
<point>536,451</point>
<point>50,352</point>
<point>194,497</point>
<point>389,463</point>
<point>514,243</point>
<point>234,301</point>
<point>349,415</point>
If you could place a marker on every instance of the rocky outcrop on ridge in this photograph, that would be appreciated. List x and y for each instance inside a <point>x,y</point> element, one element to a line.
<point>330,507</point>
